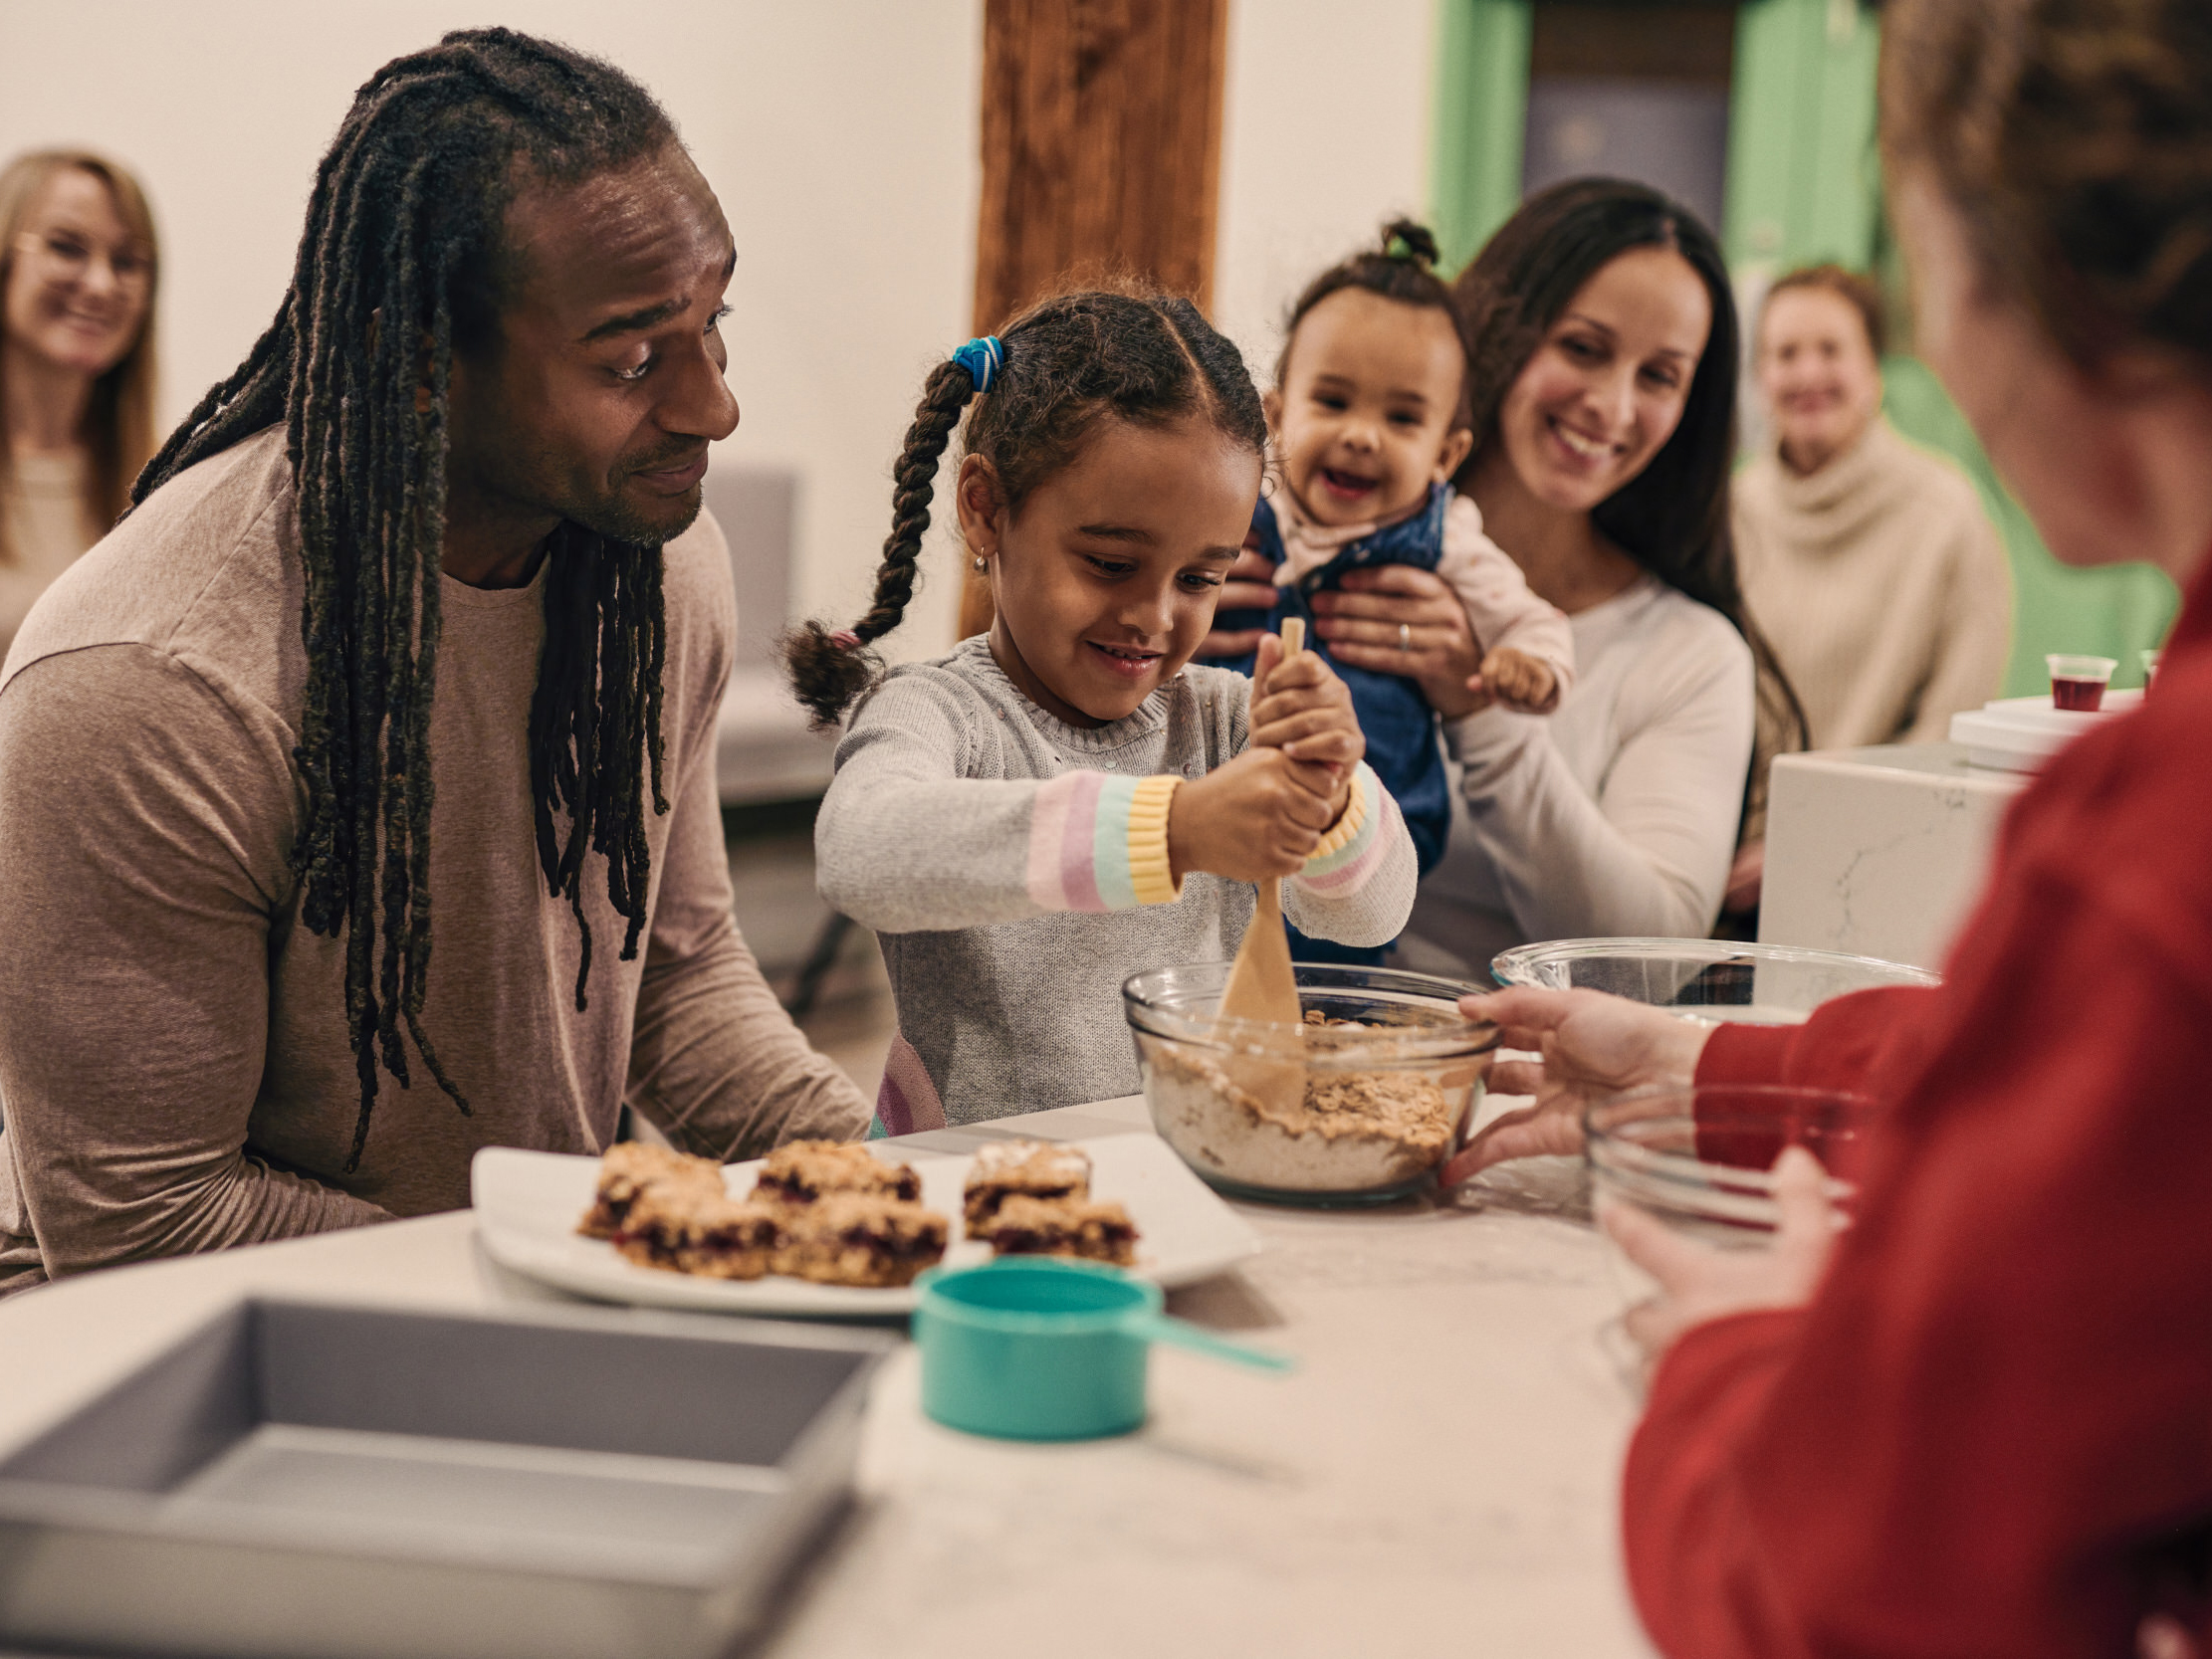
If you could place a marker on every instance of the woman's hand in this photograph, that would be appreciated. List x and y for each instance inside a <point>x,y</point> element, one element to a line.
<point>1593,1045</point>
<point>1394,619</point>
<point>1249,587</point>
<point>1261,815</point>
<point>1698,1282</point>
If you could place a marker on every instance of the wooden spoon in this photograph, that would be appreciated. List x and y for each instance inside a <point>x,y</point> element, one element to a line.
<point>1262,984</point>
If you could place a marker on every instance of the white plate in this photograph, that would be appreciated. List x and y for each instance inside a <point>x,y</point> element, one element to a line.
<point>527,1205</point>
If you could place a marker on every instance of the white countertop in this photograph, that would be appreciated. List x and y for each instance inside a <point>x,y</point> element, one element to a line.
<point>1443,1466</point>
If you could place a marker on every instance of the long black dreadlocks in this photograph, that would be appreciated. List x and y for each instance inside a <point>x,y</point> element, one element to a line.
<point>400,264</point>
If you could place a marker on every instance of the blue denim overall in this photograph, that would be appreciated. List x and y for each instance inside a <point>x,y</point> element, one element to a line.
<point>1399,727</point>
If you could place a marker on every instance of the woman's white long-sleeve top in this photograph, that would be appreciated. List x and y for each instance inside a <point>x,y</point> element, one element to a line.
<point>1617,815</point>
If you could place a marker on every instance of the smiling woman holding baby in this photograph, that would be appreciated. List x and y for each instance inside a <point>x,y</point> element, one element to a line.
<point>1599,415</point>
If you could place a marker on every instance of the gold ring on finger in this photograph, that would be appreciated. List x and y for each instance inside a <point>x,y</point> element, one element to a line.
<point>1404,636</point>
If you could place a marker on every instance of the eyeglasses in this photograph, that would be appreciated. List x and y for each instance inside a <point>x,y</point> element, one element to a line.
<point>69,256</point>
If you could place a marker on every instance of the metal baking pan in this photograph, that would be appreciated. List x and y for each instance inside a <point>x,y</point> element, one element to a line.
<point>302,1480</point>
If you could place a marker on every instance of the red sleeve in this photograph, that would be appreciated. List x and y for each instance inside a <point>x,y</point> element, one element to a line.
<point>1844,1044</point>
<point>1708,1394</point>
<point>1975,1438</point>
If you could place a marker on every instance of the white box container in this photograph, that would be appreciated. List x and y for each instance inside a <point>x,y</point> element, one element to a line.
<point>1878,852</point>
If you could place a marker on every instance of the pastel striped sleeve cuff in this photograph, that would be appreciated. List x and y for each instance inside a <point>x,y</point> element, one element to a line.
<point>1350,853</point>
<point>1099,841</point>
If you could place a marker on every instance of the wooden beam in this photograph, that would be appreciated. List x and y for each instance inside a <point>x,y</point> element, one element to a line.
<point>1101,152</point>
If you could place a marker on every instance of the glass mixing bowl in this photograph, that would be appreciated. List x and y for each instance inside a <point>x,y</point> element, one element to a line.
<point>1358,1111</point>
<point>1697,1159</point>
<point>1759,985</point>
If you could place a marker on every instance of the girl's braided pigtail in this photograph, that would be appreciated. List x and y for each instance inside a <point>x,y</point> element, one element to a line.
<point>829,669</point>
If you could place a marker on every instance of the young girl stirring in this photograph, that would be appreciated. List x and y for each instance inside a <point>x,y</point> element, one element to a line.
<point>1062,802</point>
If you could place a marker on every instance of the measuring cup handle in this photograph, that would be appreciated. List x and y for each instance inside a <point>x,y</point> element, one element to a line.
<point>1162,1328</point>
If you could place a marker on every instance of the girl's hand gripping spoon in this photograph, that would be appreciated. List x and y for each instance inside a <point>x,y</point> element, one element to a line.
<point>1262,985</point>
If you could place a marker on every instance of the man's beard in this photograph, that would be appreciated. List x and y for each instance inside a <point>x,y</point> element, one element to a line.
<point>610,516</point>
<point>549,480</point>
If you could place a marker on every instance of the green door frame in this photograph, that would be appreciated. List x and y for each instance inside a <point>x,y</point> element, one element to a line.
<point>1801,122</point>
<point>1478,108</point>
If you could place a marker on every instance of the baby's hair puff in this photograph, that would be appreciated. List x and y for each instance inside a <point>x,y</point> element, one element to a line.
<point>1039,388</point>
<point>1401,267</point>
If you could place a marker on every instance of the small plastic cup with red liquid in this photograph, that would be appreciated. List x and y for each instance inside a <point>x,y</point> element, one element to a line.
<point>2151,670</point>
<point>2078,683</point>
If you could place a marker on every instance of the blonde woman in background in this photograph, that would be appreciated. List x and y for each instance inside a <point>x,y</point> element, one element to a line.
<point>76,275</point>
<point>1868,562</point>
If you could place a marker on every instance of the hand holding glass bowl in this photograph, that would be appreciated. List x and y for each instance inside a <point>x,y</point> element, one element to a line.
<point>1715,1199</point>
<point>1719,1199</point>
<point>1610,1015</point>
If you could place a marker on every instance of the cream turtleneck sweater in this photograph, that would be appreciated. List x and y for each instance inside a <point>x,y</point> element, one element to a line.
<point>1880,583</point>
<point>42,503</point>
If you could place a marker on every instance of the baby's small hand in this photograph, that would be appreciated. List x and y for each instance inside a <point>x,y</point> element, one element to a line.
<point>1520,682</point>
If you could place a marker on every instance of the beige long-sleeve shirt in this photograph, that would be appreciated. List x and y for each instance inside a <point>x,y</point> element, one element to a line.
<point>1882,585</point>
<point>174,1067</point>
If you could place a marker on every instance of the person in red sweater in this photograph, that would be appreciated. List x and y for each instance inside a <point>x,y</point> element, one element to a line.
<point>1979,1422</point>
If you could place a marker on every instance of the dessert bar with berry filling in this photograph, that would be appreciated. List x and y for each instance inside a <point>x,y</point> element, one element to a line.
<point>1095,1231</point>
<point>805,1170</point>
<point>686,1229</point>
<point>1029,1168</point>
<point>855,1238</point>
<point>628,1168</point>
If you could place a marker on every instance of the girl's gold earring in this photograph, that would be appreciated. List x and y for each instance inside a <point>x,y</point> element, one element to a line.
<point>982,563</point>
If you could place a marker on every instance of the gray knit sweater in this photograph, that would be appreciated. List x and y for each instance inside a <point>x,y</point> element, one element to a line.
<point>1016,868</point>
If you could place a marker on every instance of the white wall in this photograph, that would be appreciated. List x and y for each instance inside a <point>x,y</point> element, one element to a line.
<point>842,138</point>
<point>840,135</point>
<point>1324,136</point>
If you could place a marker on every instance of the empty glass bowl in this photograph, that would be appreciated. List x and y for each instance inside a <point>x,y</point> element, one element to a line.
<point>1761,985</point>
<point>1696,1158</point>
<point>1357,1111</point>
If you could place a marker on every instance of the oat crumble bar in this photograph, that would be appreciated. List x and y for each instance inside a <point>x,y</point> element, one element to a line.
<point>685,1229</point>
<point>853,1238</point>
<point>806,1171</point>
<point>1095,1231</point>
<point>1004,1168</point>
<point>628,1168</point>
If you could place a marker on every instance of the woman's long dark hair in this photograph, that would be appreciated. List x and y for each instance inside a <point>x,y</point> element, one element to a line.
<point>1673,516</point>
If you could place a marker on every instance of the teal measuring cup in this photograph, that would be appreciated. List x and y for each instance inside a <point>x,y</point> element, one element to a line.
<point>1040,1349</point>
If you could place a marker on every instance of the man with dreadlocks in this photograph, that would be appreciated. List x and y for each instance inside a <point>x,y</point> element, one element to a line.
<point>413,604</point>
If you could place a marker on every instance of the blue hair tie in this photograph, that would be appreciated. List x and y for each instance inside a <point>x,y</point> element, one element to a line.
<point>982,359</point>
